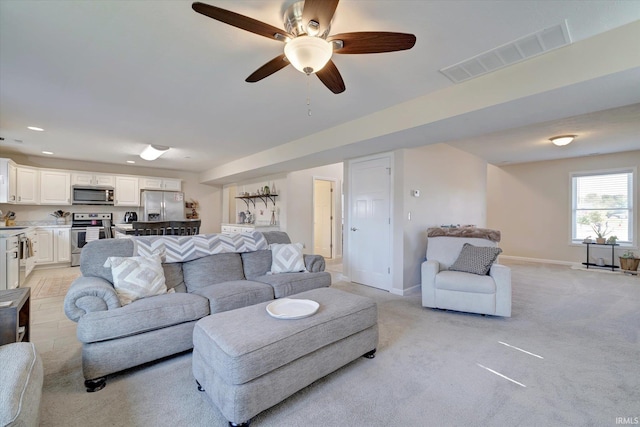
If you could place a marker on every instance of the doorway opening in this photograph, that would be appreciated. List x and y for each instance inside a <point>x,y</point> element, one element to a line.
<point>324,217</point>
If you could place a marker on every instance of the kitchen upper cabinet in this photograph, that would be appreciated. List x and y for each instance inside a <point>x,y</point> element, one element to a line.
<point>167,184</point>
<point>8,193</point>
<point>91,179</point>
<point>127,191</point>
<point>27,185</point>
<point>55,187</point>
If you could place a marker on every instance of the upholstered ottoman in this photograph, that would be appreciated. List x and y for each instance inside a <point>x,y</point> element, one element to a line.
<point>21,379</point>
<point>248,361</point>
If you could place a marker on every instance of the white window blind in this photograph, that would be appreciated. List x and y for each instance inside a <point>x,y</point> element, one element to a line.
<point>603,203</point>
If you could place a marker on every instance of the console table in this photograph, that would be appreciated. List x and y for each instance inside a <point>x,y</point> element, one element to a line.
<point>14,318</point>
<point>611,266</point>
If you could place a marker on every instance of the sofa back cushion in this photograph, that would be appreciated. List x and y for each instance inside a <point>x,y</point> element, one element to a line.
<point>446,249</point>
<point>94,255</point>
<point>212,269</point>
<point>256,264</point>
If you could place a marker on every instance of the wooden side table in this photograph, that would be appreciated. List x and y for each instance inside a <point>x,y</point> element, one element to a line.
<point>14,318</point>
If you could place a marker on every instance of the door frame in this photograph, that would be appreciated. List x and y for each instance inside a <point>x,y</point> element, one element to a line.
<point>334,234</point>
<point>346,250</point>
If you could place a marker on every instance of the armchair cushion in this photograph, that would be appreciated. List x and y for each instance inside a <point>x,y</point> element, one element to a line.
<point>475,259</point>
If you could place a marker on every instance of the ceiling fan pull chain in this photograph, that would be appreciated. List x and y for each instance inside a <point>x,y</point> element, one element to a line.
<point>308,96</point>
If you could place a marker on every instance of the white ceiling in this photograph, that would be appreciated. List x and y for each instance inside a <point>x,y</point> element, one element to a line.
<point>105,78</point>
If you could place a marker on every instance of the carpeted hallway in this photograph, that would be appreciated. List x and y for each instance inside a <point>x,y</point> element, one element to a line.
<point>568,356</point>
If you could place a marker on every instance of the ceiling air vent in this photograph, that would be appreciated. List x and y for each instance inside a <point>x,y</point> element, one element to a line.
<point>524,48</point>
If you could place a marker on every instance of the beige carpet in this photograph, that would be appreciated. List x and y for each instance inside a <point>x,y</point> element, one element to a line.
<point>430,369</point>
<point>48,287</point>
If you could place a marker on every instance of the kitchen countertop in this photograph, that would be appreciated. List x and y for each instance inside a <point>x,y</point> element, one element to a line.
<point>14,230</point>
<point>247,225</point>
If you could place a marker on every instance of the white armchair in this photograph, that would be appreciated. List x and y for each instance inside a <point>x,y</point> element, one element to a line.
<point>461,291</point>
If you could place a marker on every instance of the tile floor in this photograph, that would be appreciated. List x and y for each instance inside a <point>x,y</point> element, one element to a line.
<point>50,328</point>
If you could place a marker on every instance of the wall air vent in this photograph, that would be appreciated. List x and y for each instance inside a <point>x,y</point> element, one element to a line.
<point>519,50</point>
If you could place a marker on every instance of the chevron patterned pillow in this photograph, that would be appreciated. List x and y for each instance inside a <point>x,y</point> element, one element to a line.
<point>137,277</point>
<point>287,258</point>
<point>475,259</point>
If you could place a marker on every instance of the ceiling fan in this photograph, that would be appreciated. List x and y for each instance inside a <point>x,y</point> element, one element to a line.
<point>308,45</point>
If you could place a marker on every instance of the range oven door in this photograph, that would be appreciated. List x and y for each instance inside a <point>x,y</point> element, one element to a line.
<point>78,241</point>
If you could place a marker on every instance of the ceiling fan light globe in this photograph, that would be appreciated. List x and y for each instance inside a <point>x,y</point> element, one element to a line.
<point>308,54</point>
<point>562,140</point>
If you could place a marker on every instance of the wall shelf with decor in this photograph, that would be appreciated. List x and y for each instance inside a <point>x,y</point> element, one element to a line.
<point>264,197</point>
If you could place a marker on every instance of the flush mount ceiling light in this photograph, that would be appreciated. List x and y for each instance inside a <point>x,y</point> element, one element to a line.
<point>37,129</point>
<point>561,140</point>
<point>152,152</point>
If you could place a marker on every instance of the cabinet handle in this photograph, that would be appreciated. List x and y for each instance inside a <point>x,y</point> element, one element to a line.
<point>19,198</point>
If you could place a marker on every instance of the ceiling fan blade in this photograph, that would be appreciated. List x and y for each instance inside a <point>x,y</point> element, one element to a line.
<point>330,76</point>
<point>320,11</point>
<point>373,42</point>
<point>276,64</point>
<point>240,21</point>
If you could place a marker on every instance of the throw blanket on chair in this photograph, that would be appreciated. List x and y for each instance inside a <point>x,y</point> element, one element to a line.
<point>187,248</point>
<point>480,233</point>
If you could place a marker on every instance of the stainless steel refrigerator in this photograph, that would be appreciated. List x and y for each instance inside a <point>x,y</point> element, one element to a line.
<point>163,205</point>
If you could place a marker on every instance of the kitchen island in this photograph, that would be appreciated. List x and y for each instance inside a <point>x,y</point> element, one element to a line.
<point>185,227</point>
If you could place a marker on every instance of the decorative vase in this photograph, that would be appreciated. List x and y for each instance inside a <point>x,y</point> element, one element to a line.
<point>600,240</point>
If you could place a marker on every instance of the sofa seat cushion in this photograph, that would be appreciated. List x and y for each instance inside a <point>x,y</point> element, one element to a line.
<point>244,344</point>
<point>143,315</point>
<point>285,284</point>
<point>465,282</point>
<point>235,294</point>
<point>21,379</point>
<point>212,269</point>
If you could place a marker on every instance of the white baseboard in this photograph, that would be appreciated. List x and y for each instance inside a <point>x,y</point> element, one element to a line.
<point>414,290</point>
<point>539,260</point>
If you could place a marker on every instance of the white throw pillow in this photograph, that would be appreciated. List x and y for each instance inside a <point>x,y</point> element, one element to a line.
<point>287,258</point>
<point>137,277</point>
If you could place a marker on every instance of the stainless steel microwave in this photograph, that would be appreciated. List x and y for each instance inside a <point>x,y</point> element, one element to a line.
<point>83,195</point>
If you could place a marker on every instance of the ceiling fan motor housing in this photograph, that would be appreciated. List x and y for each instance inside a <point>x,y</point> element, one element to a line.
<point>295,26</point>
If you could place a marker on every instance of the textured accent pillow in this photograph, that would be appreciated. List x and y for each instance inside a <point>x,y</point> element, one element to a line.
<point>287,258</point>
<point>137,277</point>
<point>475,259</point>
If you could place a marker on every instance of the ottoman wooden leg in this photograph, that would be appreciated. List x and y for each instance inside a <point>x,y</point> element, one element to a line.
<point>370,354</point>
<point>200,388</point>
<point>95,384</point>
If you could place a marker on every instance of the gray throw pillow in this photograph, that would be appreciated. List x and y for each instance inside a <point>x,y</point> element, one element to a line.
<point>475,259</point>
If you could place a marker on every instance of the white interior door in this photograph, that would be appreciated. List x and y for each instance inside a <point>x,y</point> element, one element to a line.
<point>370,222</point>
<point>323,217</point>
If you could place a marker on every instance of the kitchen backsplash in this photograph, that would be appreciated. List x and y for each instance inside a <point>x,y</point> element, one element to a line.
<point>40,215</point>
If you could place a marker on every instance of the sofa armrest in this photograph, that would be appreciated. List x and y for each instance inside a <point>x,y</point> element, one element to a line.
<point>429,270</point>
<point>88,294</point>
<point>501,274</point>
<point>314,263</point>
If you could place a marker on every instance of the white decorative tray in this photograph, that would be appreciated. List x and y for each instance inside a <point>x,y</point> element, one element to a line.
<point>287,308</point>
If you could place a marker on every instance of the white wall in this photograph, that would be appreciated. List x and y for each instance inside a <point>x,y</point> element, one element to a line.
<point>209,197</point>
<point>453,188</point>
<point>300,205</point>
<point>262,212</point>
<point>530,204</point>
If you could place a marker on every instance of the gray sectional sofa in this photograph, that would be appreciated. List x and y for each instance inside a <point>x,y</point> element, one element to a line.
<point>116,337</point>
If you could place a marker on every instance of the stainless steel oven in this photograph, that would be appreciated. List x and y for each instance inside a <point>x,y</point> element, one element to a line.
<point>86,227</point>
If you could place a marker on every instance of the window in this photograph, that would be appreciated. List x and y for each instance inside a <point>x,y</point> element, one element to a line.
<point>603,204</point>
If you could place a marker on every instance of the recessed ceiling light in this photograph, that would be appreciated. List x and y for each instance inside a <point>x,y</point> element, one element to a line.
<point>35,128</point>
<point>130,161</point>
<point>47,152</point>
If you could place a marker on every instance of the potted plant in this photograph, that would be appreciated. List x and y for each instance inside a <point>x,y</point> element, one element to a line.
<point>595,220</point>
<point>629,262</point>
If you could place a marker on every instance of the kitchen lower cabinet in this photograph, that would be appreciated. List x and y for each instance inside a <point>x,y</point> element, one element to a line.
<point>54,245</point>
